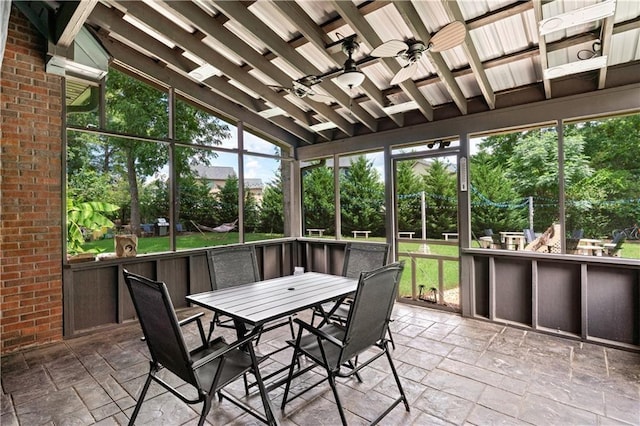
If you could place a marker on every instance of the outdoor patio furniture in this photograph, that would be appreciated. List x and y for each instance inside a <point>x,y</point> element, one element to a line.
<point>548,241</point>
<point>529,235</point>
<point>336,348</point>
<point>220,229</point>
<point>359,257</point>
<point>208,368</point>
<point>613,248</point>
<point>147,229</point>
<point>231,267</point>
<point>361,233</point>
<point>577,234</point>
<point>493,239</point>
<point>315,231</point>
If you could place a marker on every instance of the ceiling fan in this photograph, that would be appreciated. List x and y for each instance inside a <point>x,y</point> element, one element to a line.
<point>301,88</point>
<point>348,76</point>
<point>450,36</point>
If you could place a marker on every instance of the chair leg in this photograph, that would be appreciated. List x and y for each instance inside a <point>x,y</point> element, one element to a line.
<point>266,402</point>
<point>294,360</point>
<point>289,379</point>
<point>212,325</point>
<point>332,382</point>
<point>293,333</point>
<point>136,410</point>
<point>393,344</point>
<point>395,376</point>
<point>205,410</point>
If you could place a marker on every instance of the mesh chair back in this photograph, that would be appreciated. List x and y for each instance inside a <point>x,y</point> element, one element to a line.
<point>370,312</point>
<point>577,234</point>
<point>231,266</point>
<point>618,240</point>
<point>160,325</point>
<point>529,235</point>
<point>361,257</point>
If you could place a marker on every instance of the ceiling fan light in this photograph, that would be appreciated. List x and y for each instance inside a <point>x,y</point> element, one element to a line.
<point>350,78</point>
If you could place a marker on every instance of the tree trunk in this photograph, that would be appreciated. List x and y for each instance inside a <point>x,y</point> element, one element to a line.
<point>134,221</point>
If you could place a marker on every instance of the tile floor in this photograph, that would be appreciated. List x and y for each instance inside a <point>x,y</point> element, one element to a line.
<point>454,371</point>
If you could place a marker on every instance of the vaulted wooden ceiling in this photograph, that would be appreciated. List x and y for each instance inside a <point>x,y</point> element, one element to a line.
<point>245,59</point>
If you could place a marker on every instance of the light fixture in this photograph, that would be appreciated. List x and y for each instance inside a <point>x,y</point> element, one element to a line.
<point>575,67</point>
<point>577,17</point>
<point>351,77</point>
<point>271,112</point>
<point>323,126</point>
<point>405,106</point>
<point>203,72</point>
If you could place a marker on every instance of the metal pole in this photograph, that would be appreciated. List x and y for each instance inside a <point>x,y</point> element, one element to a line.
<point>530,212</point>
<point>423,205</point>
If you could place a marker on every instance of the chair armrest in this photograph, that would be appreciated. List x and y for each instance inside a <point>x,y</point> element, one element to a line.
<point>229,348</point>
<point>193,318</point>
<point>318,332</point>
<point>190,319</point>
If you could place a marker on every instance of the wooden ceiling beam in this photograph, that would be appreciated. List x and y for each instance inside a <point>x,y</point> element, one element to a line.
<point>217,104</point>
<point>70,18</point>
<point>109,19</point>
<point>605,47</point>
<point>473,57</point>
<point>542,47</point>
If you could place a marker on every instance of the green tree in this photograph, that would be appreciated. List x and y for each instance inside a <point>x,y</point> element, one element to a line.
<point>494,202</point>
<point>409,188</point>
<point>362,197</point>
<point>318,198</point>
<point>272,211</point>
<point>137,109</point>
<point>227,201</point>
<point>251,212</point>
<point>612,146</point>
<point>441,198</point>
<point>533,170</point>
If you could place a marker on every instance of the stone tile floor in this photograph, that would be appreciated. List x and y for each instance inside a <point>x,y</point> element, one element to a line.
<point>454,371</point>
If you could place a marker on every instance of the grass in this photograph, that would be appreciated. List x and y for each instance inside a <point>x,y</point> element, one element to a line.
<point>185,241</point>
<point>426,270</point>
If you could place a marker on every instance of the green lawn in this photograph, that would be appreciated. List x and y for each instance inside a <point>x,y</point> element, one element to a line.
<point>427,269</point>
<point>186,241</point>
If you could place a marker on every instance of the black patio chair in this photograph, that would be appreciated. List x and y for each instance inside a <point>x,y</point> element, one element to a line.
<point>358,257</point>
<point>336,348</point>
<point>529,235</point>
<point>233,266</point>
<point>208,368</point>
<point>577,234</point>
<point>613,248</point>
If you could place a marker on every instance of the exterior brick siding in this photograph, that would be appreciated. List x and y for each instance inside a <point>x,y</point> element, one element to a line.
<point>30,192</point>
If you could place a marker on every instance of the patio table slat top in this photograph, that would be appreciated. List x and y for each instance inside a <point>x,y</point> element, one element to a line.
<point>263,301</point>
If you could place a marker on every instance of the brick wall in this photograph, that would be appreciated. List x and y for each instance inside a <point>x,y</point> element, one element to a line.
<point>30,192</point>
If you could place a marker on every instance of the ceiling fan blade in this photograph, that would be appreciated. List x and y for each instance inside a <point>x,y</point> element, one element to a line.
<point>279,88</point>
<point>319,97</point>
<point>389,49</point>
<point>450,36</point>
<point>405,73</point>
